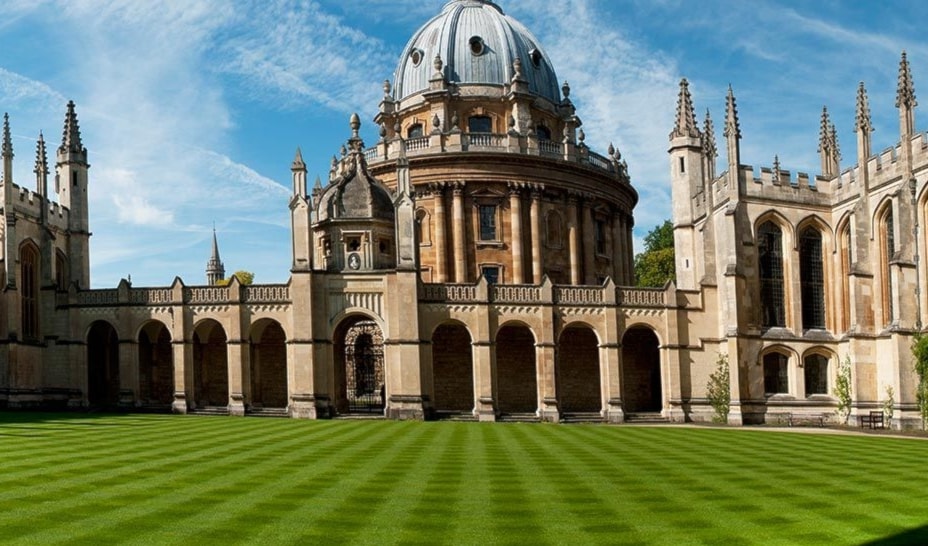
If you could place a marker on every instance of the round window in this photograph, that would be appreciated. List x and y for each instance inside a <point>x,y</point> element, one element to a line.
<point>536,57</point>
<point>476,45</point>
<point>416,57</point>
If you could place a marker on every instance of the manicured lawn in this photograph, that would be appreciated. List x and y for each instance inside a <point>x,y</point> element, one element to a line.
<point>214,480</point>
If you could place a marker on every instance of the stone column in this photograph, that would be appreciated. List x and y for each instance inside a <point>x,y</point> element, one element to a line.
<point>236,357</point>
<point>589,245</point>
<point>548,408</point>
<point>484,363</point>
<point>618,251</point>
<point>515,219</point>
<point>441,236</point>
<point>457,218</point>
<point>535,219</point>
<point>128,373</point>
<point>573,240</point>
<point>183,375</point>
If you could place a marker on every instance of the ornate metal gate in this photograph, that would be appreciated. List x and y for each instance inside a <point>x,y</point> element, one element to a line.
<point>364,376</point>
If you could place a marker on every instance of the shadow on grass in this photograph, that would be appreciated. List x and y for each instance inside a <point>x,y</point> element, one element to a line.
<point>919,535</point>
<point>21,419</point>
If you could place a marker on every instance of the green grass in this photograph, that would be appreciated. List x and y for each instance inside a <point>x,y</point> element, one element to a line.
<point>205,480</point>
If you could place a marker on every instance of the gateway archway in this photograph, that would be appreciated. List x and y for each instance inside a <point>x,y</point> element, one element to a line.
<point>156,365</point>
<point>210,365</point>
<point>641,371</point>
<point>102,365</point>
<point>359,369</point>
<point>578,381</point>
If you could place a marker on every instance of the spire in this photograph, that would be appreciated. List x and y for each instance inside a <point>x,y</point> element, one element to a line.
<point>71,137</point>
<point>686,121</point>
<point>862,121</point>
<point>7,151</point>
<point>732,127</point>
<point>824,132</point>
<point>215,271</point>
<point>298,161</point>
<point>41,164</point>
<point>836,147</point>
<point>708,143</point>
<point>905,93</point>
<point>828,145</point>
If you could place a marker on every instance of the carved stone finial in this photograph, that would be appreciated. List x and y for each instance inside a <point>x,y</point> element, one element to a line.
<point>776,168</point>
<point>7,141</point>
<point>387,88</point>
<point>732,127</point>
<point>436,122</point>
<point>512,121</point>
<point>344,151</point>
<point>517,69</point>
<point>862,119</point>
<point>437,64</point>
<point>41,158</point>
<point>685,125</point>
<point>454,120</point>
<point>565,89</point>
<point>610,150</point>
<point>581,136</point>
<point>905,93</point>
<point>708,132</point>
<point>355,125</point>
<point>383,131</point>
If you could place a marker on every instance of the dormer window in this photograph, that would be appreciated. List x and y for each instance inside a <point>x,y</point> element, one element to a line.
<point>415,56</point>
<point>536,58</point>
<point>476,46</point>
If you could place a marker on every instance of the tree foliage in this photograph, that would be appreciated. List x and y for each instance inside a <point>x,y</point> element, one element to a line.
<point>842,389</point>
<point>920,352</point>
<point>244,277</point>
<point>718,390</point>
<point>655,266</point>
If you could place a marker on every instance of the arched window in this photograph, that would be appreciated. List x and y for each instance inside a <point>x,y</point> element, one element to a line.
<point>424,227</point>
<point>887,248</point>
<point>816,374</point>
<point>776,373</point>
<point>812,278</point>
<point>770,263</point>
<point>61,270</point>
<point>480,124</point>
<point>29,279</point>
<point>542,132</point>
<point>845,238</point>
<point>414,131</point>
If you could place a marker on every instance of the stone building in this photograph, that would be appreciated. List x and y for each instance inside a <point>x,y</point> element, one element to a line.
<point>477,261</point>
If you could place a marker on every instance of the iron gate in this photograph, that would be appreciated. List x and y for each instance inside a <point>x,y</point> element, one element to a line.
<point>364,370</point>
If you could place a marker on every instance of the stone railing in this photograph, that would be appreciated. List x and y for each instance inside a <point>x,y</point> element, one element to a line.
<point>269,293</point>
<point>147,296</point>
<point>451,293</point>
<point>107,296</point>
<point>599,161</point>
<point>550,147</point>
<point>578,295</point>
<point>417,143</point>
<point>640,297</point>
<point>515,293</point>
<point>206,294</point>
<point>485,140</point>
<point>370,154</point>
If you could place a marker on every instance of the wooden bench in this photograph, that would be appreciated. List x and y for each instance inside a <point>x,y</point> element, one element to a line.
<point>872,420</point>
<point>790,420</point>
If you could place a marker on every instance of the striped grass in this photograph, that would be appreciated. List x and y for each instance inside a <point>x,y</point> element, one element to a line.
<point>99,479</point>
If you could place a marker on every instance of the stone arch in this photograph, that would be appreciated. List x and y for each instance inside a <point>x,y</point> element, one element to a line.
<point>776,361</point>
<point>29,279</point>
<point>516,375</point>
<point>641,370</point>
<point>772,276</point>
<point>845,250</point>
<point>819,368</point>
<point>578,370</point>
<point>156,364</point>
<point>885,225</point>
<point>268,365</point>
<point>452,368</point>
<point>210,365</point>
<point>102,364</point>
<point>360,374</point>
<point>812,279</point>
<point>423,226</point>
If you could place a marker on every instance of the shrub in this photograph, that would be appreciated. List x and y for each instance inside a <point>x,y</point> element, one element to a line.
<point>920,352</point>
<point>718,390</point>
<point>843,390</point>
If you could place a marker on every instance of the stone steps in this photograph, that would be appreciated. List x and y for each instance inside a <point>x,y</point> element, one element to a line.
<point>582,417</point>
<point>454,416</point>
<point>518,418</point>
<point>267,412</point>
<point>646,417</point>
<point>209,410</point>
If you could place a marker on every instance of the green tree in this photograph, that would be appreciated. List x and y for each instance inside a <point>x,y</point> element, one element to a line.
<point>842,389</point>
<point>718,389</point>
<point>655,266</point>
<point>244,277</point>
<point>920,352</point>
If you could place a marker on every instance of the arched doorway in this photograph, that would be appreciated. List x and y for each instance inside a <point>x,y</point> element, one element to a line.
<point>268,365</point>
<point>102,364</point>
<point>210,365</point>
<point>517,386</point>
<point>641,371</point>
<point>578,380</point>
<point>156,365</point>
<point>452,369</point>
<point>359,370</point>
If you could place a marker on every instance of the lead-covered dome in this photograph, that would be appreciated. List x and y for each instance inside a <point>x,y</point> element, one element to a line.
<point>477,44</point>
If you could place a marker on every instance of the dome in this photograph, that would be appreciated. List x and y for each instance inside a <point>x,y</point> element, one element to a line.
<point>356,196</point>
<point>478,44</point>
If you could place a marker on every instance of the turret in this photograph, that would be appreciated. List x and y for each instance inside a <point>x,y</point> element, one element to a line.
<point>687,181</point>
<point>71,185</point>
<point>300,216</point>
<point>906,103</point>
<point>215,271</point>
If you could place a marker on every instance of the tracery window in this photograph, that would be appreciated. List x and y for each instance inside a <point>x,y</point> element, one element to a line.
<point>61,271</point>
<point>887,248</point>
<point>816,374</point>
<point>770,262</point>
<point>845,257</point>
<point>29,279</point>
<point>812,278</point>
<point>776,373</point>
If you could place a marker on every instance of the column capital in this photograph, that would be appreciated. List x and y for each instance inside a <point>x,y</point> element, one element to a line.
<point>457,187</point>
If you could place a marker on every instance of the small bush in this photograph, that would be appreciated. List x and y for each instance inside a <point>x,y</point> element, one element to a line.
<point>718,390</point>
<point>843,390</point>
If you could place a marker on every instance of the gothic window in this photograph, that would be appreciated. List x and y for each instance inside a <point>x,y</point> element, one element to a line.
<point>554,230</point>
<point>770,262</point>
<point>487,222</point>
<point>490,273</point>
<point>812,278</point>
<point>61,271</point>
<point>29,262</point>
<point>424,227</point>
<point>816,374</point>
<point>414,131</point>
<point>776,373</point>
<point>600,237</point>
<point>542,132</point>
<point>887,248</point>
<point>480,124</point>
<point>845,277</point>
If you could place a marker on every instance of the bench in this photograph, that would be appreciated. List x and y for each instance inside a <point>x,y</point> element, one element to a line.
<point>790,420</point>
<point>872,420</point>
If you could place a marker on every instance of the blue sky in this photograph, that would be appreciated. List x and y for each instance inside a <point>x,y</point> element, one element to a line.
<point>191,110</point>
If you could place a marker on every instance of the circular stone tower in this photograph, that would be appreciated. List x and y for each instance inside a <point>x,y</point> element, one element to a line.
<point>505,186</point>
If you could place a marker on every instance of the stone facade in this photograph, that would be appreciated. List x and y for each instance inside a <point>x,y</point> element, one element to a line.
<point>477,260</point>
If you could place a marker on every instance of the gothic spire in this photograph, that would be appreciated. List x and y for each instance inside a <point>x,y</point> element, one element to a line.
<point>824,132</point>
<point>298,163</point>
<point>686,121</point>
<point>71,137</point>
<point>7,142</point>
<point>905,93</point>
<point>862,121</point>
<point>835,146</point>
<point>708,132</point>
<point>732,127</point>
<point>215,271</point>
<point>41,158</point>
